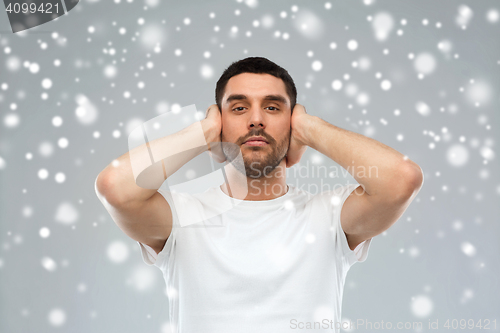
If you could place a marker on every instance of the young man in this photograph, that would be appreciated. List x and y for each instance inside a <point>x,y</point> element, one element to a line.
<point>271,257</point>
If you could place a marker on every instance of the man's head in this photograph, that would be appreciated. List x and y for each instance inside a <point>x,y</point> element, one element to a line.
<point>256,98</point>
<point>256,65</point>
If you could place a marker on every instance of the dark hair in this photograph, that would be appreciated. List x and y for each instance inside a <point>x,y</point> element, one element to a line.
<point>257,65</point>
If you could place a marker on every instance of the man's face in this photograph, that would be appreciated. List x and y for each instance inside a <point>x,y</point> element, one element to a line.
<point>256,105</point>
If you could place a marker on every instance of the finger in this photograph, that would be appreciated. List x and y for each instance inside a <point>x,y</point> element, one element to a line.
<point>208,110</point>
<point>300,108</point>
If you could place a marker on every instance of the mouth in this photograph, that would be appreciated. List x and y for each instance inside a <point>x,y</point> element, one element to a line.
<point>256,141</point>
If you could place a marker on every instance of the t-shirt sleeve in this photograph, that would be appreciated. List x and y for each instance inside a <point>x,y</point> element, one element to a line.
<point>360,253</point>
<point>149,256</point>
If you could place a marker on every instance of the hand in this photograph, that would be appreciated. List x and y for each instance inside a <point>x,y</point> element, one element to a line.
<point>297,145</point>
<point>212,128</point>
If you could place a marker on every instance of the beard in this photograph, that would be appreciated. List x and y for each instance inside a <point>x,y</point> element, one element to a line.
<point>257,161</point>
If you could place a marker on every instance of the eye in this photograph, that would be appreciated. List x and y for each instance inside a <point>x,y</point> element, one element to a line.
<point>275,108</point>
<point>239,107</point>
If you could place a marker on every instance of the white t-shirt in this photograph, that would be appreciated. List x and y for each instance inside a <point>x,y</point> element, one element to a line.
<point>256,266</point>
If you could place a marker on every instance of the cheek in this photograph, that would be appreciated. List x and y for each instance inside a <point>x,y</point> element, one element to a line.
<point>228,130</point>
<point>283,137</point>
<point>286,127</point>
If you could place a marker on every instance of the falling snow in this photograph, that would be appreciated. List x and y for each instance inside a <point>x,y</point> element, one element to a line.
<point>424,82</point>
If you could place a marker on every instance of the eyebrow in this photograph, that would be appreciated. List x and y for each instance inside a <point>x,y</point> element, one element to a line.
<point>277,98</point>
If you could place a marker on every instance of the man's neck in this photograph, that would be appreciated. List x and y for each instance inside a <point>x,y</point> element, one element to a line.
<point>268,187</point>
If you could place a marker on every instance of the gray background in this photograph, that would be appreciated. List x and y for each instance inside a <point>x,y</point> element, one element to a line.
<point>439,261</point>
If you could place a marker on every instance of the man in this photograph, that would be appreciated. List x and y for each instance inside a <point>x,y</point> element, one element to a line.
<point>276,260</point>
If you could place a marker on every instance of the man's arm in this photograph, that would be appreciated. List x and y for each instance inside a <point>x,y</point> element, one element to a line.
<point>389,180</point>
<point>142,213</point>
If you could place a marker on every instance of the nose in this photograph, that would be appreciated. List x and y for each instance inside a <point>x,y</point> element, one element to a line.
<point>256,118</point>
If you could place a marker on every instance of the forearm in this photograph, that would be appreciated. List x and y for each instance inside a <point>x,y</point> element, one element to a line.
<point>380,169</point>
<point>137,174</point>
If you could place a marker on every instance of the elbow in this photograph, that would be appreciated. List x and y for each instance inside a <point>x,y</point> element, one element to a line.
<point>419,177</point>
<point>407,182</point>
<point>100,186</point>
<point>104,189</point>
<point>411,181</point>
